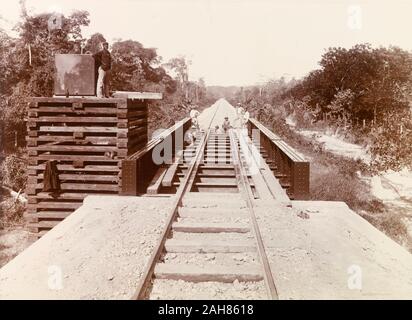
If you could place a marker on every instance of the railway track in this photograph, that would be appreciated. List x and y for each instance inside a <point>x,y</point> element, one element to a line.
<point>211,244</point>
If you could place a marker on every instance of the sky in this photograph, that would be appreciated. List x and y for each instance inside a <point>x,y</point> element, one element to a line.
<point>239,42</point>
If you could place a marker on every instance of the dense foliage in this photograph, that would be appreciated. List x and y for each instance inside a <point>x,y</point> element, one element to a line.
<point>13,172</point>
<point>362,82</point>
<point>27,64</point>
<point>364,91</point>
<point>27,61</point>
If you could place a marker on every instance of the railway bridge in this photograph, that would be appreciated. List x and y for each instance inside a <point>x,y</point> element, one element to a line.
<point>225,217</point>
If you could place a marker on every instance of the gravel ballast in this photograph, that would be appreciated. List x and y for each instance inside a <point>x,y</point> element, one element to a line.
<point>177,290</point>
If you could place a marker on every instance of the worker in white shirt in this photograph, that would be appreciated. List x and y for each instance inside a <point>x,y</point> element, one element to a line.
<point>245,119</point>
<point>190,136</point>
<point>193,116</point>
<point>238,120</point>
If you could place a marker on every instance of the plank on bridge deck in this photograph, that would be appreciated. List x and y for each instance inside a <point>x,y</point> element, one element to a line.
<point>210,273</point>
<point>185,246</point>
<point>156,181</point>
<point>268,186</point>
<point>212,212</point>
<point>210,227</point>
<point>170,173</point>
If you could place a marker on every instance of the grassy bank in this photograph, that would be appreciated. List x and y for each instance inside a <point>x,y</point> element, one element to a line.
<point>3,256</point>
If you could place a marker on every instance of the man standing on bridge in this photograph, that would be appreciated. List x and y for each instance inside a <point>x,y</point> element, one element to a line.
<point>103,64</point>
<point>239,116</point>
<point>244,119</point>
<point>193,116</point>
<point>226,125</point>
<point>190,135</point>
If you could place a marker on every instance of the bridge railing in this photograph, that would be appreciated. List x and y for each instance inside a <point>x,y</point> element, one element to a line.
<point>289,167</point>
<point>138,169</point>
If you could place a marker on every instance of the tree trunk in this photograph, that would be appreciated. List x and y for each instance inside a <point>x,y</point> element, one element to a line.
<point>29,54</point>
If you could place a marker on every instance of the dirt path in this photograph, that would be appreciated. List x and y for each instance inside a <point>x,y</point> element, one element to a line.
<point>12,242</point>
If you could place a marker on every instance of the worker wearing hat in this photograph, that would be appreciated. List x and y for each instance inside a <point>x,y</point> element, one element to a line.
<point>193,116</point>
<point>238,119</point>
<point>194,128</point>
<point>226,124</point>
<point>245,118</point>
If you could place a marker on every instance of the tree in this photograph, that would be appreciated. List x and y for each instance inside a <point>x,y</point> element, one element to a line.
<point>200,89</point>
<point>28,61</point>
<point>135,68</point>
<point>379,81</point>
<point>93,43</point>
<point>179,66</point>
<point>341,104</point>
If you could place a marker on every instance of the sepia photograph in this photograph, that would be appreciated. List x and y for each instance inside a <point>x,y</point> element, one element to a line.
<point>222,152</point>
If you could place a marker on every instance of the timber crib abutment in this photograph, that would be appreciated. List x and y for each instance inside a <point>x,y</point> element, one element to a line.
<point>88,138</point>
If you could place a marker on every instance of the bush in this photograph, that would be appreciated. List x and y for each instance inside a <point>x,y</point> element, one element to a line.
<point>11,213</point>
<point>391,147</point>
<point>392,225</point>
<point>344,186</point>
<point>304,119</point>
<point>13,172</point>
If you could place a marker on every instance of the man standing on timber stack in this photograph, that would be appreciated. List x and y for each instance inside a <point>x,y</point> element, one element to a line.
<point>103,65</point>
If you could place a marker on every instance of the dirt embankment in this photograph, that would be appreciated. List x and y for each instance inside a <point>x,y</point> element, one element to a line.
<point>98,252</point>
<point>12,242</point>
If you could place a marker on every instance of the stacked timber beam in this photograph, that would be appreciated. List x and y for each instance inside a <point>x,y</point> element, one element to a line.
<point>88,138</point>
<point>288,166</point>
<point>140,168</point>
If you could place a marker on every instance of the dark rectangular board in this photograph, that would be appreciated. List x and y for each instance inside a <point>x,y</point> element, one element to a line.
<point>75,75</point>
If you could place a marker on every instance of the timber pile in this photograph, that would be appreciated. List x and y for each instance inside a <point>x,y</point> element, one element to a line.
<point>88,137</point>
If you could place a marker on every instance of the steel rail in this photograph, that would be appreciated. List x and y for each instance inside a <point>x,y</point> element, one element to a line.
<point>244,186</point>
<point>186,185</point>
